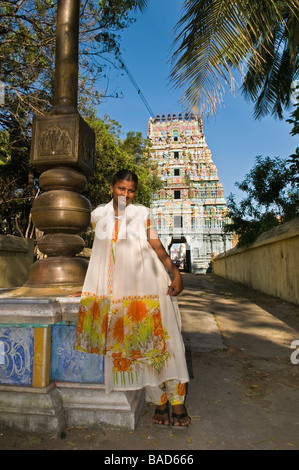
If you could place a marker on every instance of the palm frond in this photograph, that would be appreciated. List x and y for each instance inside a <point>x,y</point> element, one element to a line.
<point>140,5</point>
<point>269,86</point>
<point>216,37</point>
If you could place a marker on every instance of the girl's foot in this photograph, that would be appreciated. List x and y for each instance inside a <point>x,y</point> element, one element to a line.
<point>180,417</point>
<point>161,416</point>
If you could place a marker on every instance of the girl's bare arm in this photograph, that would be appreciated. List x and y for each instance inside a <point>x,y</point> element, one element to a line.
<point>176,285</point>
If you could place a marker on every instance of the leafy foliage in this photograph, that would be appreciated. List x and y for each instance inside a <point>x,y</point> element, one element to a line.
<point>113,154</point>
<point>17,187</point>
<point>294,120</point>
<point>272,198</point>
<point>27,54</point>
<point>269,84</point>
<point>293,159</point>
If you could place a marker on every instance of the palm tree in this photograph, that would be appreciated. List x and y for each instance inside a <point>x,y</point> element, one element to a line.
<point>141,4</point>
<point>258,38</point>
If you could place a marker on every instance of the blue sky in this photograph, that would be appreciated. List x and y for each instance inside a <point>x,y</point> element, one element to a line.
<point>233,136</point>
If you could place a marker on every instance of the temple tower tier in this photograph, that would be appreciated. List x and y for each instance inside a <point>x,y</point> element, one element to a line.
<point>190,210</point>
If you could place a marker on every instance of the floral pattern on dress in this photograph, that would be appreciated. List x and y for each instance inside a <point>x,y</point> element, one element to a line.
<point>92,326</point>
<point>172,391</point>
<point>130,329</point>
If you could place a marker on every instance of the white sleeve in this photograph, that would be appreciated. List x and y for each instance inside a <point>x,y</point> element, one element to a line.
<point>96,215</point>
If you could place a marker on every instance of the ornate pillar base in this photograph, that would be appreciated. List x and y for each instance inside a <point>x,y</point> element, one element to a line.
<point>52,409</point>
<point>58,271</point>
<point>89,405</point>
<point>36,410</point>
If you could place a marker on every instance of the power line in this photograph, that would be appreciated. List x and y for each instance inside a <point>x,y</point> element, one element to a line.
<point>137,87</point>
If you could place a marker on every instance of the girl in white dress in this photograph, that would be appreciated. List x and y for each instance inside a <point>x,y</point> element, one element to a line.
<point>129,311</point>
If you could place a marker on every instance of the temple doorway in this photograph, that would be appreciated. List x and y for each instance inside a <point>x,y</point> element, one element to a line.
<point>179,251</point>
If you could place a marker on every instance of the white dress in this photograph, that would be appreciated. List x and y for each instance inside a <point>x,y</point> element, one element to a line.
<point>125,313</point>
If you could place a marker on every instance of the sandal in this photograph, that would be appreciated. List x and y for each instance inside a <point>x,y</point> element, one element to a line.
<point>162,412</point>
<point>179,417</point>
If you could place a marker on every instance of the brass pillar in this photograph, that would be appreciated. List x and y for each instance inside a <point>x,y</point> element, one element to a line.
<point>66,60</point>
<point>63,148</point>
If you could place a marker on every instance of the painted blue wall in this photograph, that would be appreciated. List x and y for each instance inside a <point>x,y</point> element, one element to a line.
<point>16,359</point>
<point>69,365</point>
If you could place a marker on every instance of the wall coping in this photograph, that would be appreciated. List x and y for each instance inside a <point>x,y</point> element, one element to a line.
<point>281,232</point>
<point>38,311</point>
<point>16,244</point>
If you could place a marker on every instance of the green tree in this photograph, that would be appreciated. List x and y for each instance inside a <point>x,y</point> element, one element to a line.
<point>5,151</point>
<point>272,198</point>
<point>293,160</point>
<point>214,38</point>
<point>139,150</point>
<point>108,157</point>
<point>113,154</point>
<point>17,187</point>
<point>294,119</point>
<point>134,144</point>
<point>27,55</point>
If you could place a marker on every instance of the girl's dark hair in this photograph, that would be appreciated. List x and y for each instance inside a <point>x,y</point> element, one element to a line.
<point>125,175</point>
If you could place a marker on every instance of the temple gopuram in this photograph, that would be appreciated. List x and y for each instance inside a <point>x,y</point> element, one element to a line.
<point>190,210</point>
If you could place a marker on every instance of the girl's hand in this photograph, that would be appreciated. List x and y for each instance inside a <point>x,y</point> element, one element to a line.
<point>176,286</point>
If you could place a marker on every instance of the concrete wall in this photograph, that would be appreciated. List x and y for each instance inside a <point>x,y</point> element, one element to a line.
<point>16,258</point>
<point>270,264</point>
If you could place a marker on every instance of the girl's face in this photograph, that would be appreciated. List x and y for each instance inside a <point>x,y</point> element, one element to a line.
<point>123,193</point>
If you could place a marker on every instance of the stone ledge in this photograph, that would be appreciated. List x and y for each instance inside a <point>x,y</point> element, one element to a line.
<point>32,410</point>
<point>60,405</point>
<point>37,312</point>
<point>89,405</point>
<point>29,311</point>
<point>281,232</point>
<point>11,243</point>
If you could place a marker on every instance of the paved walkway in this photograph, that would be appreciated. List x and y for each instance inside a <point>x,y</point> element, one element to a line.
<point>244,389</point>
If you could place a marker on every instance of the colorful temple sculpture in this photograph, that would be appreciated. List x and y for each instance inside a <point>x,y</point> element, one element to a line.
<point>190,210</point>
